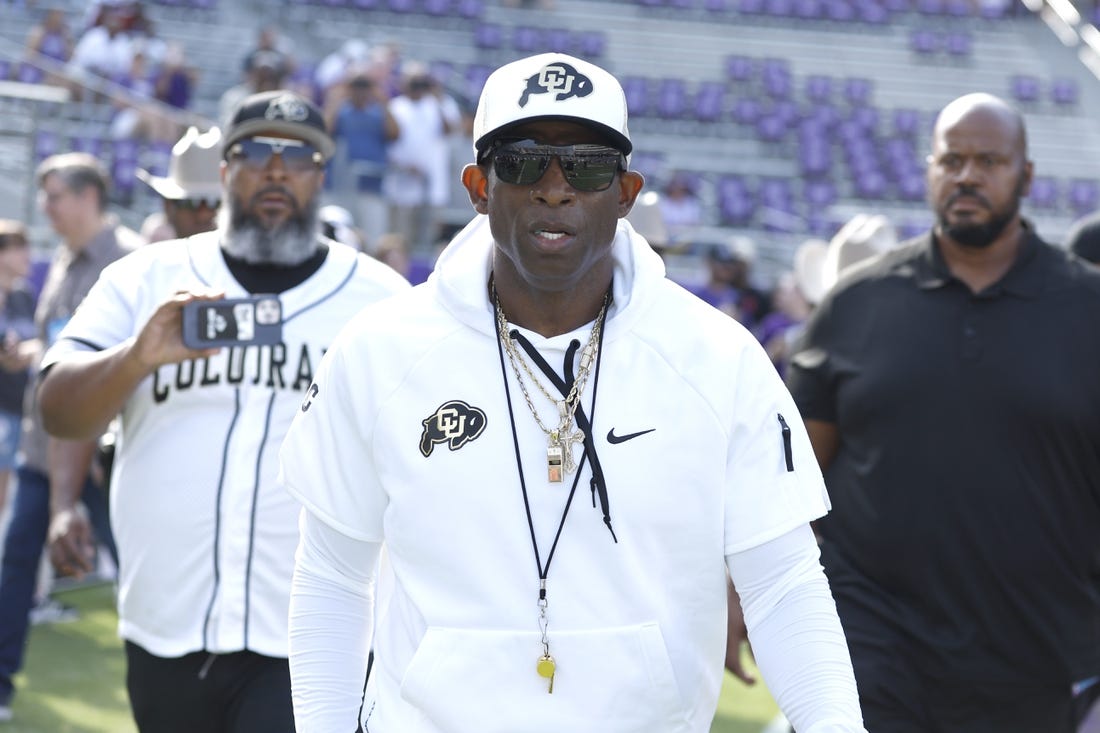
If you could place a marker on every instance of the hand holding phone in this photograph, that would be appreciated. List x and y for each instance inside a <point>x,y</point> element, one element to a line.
<point>254,320</point>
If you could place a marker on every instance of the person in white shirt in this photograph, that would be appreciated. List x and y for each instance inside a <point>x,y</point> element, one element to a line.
<point>563,453</point>
<point>206,536</point>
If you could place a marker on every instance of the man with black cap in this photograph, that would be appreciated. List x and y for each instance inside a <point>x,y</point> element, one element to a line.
<point>455,424</point>
<point>206,535</point>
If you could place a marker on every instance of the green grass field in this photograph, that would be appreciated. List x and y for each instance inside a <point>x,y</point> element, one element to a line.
<point>73,680</point>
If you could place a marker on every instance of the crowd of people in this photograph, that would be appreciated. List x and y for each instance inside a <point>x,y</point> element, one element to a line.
<point>884,471</point>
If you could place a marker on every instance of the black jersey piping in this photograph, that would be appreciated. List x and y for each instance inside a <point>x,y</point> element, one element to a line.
<point>218,513</point>
<point>252,519</point>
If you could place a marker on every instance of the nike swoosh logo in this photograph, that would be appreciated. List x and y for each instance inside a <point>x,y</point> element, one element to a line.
<point>612,438</point>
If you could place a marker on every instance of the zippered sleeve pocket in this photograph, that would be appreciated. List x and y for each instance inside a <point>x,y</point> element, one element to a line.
<point>788,452</point>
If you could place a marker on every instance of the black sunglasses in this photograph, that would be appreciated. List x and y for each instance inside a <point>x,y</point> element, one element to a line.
<point>256,153</point>
<point>587,167</point>
<point>197,203</point>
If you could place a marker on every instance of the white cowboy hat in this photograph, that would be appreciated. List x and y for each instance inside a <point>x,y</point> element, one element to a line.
<point>193,171</point>
<point>863,237</point>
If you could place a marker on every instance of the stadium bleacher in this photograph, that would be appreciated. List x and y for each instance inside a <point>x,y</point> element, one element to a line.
<point>791,115</point>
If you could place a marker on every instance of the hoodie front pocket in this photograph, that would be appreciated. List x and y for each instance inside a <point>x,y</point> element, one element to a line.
<point>611,680</point>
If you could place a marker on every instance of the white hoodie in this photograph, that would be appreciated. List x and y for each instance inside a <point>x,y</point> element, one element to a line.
<point>409,439</point>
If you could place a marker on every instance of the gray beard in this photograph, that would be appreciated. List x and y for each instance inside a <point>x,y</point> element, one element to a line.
<point>291,243</point>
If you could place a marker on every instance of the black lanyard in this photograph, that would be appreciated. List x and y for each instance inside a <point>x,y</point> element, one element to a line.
<point>582,421</point>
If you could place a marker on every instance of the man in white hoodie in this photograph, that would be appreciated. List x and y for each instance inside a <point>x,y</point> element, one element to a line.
<point>455,423</point>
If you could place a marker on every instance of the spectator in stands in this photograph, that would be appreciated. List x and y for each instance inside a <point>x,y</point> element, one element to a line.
<point>1083,239</point>
<point>363,127</point>
<point>191,192</point>
<point>728,286</point>
<point>18,347</point>
<point>418,182</point>
<point>53,475</point>
<point>271,50</point>
<point>51,38</point>
<point>176,78</point>
<point>680,206</point>
<point>340,65</point>
<point>107,49</point>
<point>949,387</point>
<point>266,71</point>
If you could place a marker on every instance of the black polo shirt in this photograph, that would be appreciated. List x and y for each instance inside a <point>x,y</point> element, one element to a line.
<point>966,488</point>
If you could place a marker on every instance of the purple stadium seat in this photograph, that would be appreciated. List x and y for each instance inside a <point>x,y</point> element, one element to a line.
<point>770,128</point>
<point>779,8</point>
<point>558,40</point>
<point>709,99</point>
<point>959,44</point>
<point>636,90</point>
<point>401,6</point>
<point>819,88</point>
<point>86,143</point>
<point>156,158</point>
<point>1084,196</point>
<point>778,84</point>
<point>364,4</point>
<point>857,90</point>
<point>591,44</point>
<point>1064,92</point>
<point>1044,193</point>
<point>1024,88</point>
<point>736,205</point>
<point>671,100</point>
<point>751,7</point>
<point>29,74</point>
<point>819,193</point>
<point>715,6</point>
<point>906,122</point>
<point>809,9</point>
<point>930,7</point>
<point>739,68</point>
<point>488,36</point>
<point>438,8</point>
<point>839,11</point>
<point>911,187</point>
<point>470,9</point>
<point>896,6</point>
<point>46,143</point>
<point>814,159</point>
<point>872,13</point>
<point>745,111</point>
<point>958,8</point>
<point>871,184</point>
<point>475,77</point>
<point>924,42</point>
<point>527,39</point>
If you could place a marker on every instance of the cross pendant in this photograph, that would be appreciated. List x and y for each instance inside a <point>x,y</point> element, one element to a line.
<point>566,439</point>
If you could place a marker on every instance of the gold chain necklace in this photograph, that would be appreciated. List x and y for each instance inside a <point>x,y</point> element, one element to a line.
<point>559,449</point>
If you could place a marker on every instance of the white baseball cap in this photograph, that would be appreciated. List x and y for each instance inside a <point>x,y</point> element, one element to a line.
<point>551,86</point>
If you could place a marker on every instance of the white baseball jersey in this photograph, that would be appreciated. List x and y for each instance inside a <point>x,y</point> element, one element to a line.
<point>411,439</point>
<point>205,535</point>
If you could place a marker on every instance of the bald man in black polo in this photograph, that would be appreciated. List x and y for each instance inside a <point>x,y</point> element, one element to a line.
<point>950,390</point>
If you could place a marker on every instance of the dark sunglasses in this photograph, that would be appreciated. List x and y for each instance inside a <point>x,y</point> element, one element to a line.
<point>587,167</point>
<point>196,204</point>
<point>256,153</point>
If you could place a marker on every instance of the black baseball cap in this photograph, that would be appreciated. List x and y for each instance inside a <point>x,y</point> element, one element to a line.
<point>279,111</point>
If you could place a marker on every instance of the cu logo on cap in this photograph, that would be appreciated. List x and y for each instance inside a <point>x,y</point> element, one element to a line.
<point>560,79</point>
<point>454,423</point>
<point>288,108</point>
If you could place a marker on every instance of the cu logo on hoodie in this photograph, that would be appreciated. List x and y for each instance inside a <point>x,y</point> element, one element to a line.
<point>454,423</point>
<point>560,79</point>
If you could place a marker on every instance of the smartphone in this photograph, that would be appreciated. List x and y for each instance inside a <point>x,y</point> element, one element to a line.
<point>255,320</point>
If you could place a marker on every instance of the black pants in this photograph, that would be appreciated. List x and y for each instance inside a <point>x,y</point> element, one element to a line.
<point>241,692</point>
